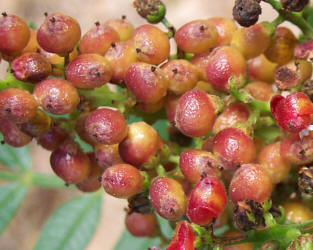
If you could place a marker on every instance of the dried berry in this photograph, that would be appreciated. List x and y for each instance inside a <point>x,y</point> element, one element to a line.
<point>294,5</point>
<point>305,180</point>
<point>246,12</point>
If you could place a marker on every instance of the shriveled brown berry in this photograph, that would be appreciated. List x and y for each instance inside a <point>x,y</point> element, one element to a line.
<point>70,163</point>
<point>168,198</point>
<point>91,183</point>
<point>106,125</point>
<point>88,71</point>
<point>56,96</point>
<point>122,180</point>
<point>12,135</point>
<point>17,105</point>
<point>294,5</point>
<point>246,12</point>
<point>305,180</point>
<point>141,225</point>
<point>107,155</point>
<point>98,39</point>
<point>59,33</point>
<point>31,67</point>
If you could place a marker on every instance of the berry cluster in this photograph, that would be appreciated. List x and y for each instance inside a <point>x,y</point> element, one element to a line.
<point>239,124</point>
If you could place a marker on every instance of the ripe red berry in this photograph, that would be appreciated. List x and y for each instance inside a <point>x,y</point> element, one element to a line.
<point>107,155</point>
<point>81,129</point>
<point>31,67</point>
<point>196,164</point>
<point>233,147</point>
<point>58,33</point>
<point>206,201</point>
<point>141,225</point>
<point>14,34</point>
<point>106,125</point>
<point>147,82</point>
<point>53,138</point>
<point>17,105</point>
<point>140,145</point>
<point>292,113</point>
<point>56,96</point>
<point>70,163</point>
<point>197,36</point>
<point>252,182</point>
<point>88,71</point>
<point>168,198</point>
<point>98,39</point>
<point>122,180</point>
<point>195,107</point>
<point>183,238</point>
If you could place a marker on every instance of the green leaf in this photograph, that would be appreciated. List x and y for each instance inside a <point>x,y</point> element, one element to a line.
<point>11,196</point>
<point>129,242</point>
<point>14,157</point>
<point>165,227</point>
<point>72,225</point>
<point>268,134</point>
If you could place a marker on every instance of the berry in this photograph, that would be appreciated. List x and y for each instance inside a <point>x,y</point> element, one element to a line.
<point>53,138</point>
<point>168,198</point>
<point>70,163</point>
<point>206,201</point>
<point>294,5</point>
<point>305,180</point>
<point>183,237</point>
<point>246,12</point>
<point>261,91</point>
<point>261,69</point>
<point>106,125</point>
<point>252,182</point>
<point>122,181</point>
<point>32,45</point>
<point>197,36</point>
<point>141,225</point>
<point>107,155</point>
<point>147,82</point>
<point>225,28</point>
<point>201,61</point>
<point>58,33</point>
<point>195,107</point>
<point>14,34</point>
<point>81,129</point>
<point>297,212</point>
<point>122,26</point>
<point>98,39</point>
<point>56,96</point>
<point>292,113</point>
<point>17,105</point>
<point>88,71</point>
<point>31,67</point>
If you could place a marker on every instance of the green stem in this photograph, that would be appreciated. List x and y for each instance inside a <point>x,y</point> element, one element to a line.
<point>293,17</point>
<point>171,29</point>
<point>174,159</point>
<point>30,178</point>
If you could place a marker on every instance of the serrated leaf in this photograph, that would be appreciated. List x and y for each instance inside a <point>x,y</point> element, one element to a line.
<point>14,157</point>
<point>72,225</point>
<point>11,196</point>
<point>129,242</point>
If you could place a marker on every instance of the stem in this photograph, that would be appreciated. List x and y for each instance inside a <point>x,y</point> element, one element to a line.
<point>278,20</point>
<point>169,26</point>
<point>30,178</point>
<point>174,159</point>
<point>292,17</point>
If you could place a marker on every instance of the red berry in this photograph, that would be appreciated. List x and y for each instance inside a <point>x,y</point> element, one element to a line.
<point>292,113</point>
<point>206,201</point>
<point>141,225</point>
<point>53,138</point>
<point>122,180</point>
<point>183,238</point>
<point>107,155</point>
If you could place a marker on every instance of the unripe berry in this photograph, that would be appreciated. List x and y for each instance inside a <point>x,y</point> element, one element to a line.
<point>88,71</point>
<point>196,164</point>
<point>122,26</point>
<point>195,107</point>
<point>196,36</point>
<point>14,34</point>
<point>147,82</point>
<point>206,201</point>
<point>297,212</point>
<point>225,62</point>
<point>91,183</point>
<point>225,28</point>
<point>141,143</point>
<point>152,44</point>
<point>183,237</point>
<point>56,96</point>
<point>233,147</point>
<point>59,33</point>
<point>292,113</point>
<point>17,105</point>
<point>106,125</point>
<point>261,69</point>
<point>70,163</point>
<point>141,225</point>
<point>261,91</point>
<point>252,182</point>
<point>168,198</point>
<point>122,181</point>
<point>98,39</point>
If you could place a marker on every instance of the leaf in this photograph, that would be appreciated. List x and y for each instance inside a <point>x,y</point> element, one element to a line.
<point>72,225</point>
<point>268,134</point>
<point>129,242</point>
<point>11,196</point>
<point>14,157</point>
<point>165,227</point>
